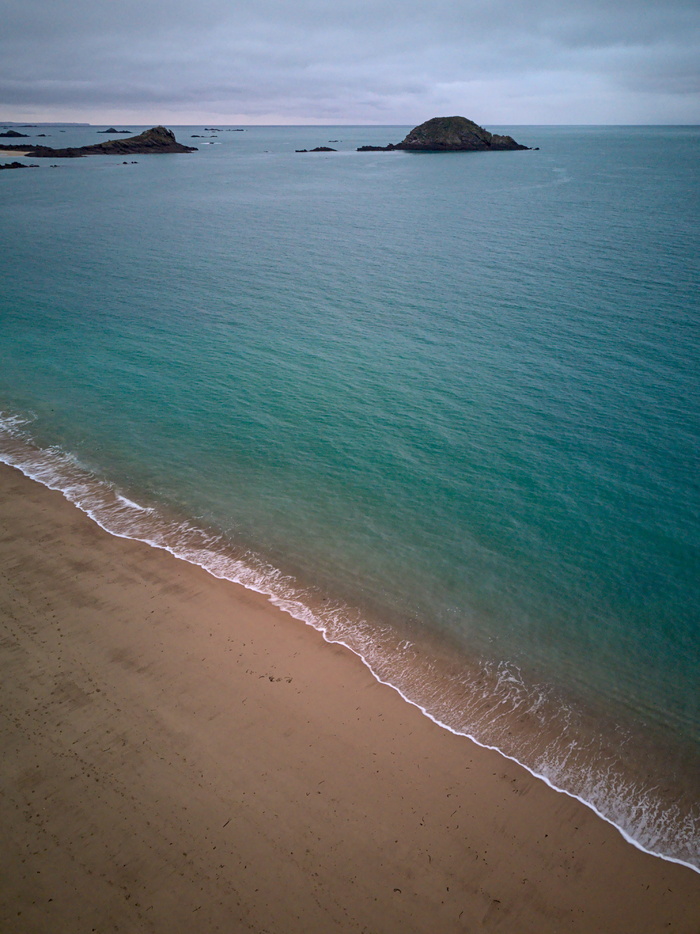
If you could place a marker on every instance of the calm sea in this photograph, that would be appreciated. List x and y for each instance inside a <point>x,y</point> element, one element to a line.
<point>443,407</point>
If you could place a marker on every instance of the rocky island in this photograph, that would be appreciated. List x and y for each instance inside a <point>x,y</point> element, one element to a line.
<point>16,165</point>
<point>449,134</point>
<point>156,140</point>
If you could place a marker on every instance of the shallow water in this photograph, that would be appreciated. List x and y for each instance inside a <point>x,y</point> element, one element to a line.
<point>443,407</point>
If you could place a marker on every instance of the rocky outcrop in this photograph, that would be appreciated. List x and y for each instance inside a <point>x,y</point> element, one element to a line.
<point>17,165</point>
<point>317,149</point>
<point>112,130</point>
<point>156,140</point>
<point>449,134</point>
<point>13,133</point>
<point>454,134</point>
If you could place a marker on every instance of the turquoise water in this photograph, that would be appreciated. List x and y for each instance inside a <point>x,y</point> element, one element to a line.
<point>443,407</point>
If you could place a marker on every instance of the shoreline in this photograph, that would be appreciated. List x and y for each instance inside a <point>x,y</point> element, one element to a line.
<point>610,773</point>
<point>181,755</point>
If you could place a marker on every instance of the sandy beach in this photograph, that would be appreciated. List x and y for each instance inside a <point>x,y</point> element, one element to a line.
<point>179,756</point>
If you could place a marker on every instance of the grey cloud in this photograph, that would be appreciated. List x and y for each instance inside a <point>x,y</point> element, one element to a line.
<point>356,60</point>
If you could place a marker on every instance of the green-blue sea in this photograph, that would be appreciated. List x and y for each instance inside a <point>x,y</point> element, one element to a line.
<point>443,407</point>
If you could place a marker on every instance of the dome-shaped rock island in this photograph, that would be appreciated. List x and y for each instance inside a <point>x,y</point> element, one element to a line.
<point>449,134</point>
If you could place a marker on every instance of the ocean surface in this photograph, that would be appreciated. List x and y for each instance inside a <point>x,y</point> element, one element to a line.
<point>443,407</point>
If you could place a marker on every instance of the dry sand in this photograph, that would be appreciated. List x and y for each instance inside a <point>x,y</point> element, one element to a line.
<point>178,756</point>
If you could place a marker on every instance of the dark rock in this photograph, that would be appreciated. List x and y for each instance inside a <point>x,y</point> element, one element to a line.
<point>454,134</point>
<point>317,149</point>
<point>25,149</point>
<point>112,130</point>
<point>13,165</point>
<point>156,140</point>
<point>449,134</point>
<point>14,134</point>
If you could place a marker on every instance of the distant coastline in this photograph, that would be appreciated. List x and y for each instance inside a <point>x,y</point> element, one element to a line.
<point>156,140</point>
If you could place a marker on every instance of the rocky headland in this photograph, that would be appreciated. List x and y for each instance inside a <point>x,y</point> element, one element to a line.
<point>156,140</point>
<point>449,134</point>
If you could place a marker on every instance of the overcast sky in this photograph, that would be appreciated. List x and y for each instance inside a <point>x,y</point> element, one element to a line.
<point>350,61</point>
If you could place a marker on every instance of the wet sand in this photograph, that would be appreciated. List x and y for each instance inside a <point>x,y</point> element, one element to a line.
<point>179,756</point>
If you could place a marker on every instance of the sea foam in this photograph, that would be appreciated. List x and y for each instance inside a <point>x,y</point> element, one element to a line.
<point>491,704</point>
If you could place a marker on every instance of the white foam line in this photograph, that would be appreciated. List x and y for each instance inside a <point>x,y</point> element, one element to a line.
<point>132,504</point>
<point>505,755</point>
<point>278,602</point>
